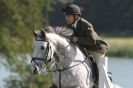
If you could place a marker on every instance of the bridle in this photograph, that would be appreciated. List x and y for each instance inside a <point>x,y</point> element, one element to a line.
<point>45,58</point>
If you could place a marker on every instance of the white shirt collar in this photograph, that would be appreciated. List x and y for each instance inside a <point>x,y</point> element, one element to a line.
<point>75,23</point>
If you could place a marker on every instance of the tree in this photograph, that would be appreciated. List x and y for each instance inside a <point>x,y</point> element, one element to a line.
<point>17,19</point>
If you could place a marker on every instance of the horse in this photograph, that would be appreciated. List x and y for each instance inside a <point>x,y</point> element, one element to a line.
<point>71,68</point>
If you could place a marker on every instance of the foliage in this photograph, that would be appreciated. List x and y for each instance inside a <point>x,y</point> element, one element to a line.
<point>120,47</point>
<point>17,19</point>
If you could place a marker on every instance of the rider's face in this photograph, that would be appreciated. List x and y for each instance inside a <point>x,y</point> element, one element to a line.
<point>69,19</point>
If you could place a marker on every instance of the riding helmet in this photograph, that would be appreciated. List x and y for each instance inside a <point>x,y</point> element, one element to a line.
<point>72,9</point>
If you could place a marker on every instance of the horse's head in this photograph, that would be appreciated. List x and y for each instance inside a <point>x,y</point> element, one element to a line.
<point>42,51</point>
<point>47,43</point>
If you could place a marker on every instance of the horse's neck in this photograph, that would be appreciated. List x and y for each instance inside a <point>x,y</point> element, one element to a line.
<point>68,58</point>
<point>58,41</point>
<point>66,52</point>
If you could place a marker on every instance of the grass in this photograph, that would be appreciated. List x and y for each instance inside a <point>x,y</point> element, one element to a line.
<point>120,47</point>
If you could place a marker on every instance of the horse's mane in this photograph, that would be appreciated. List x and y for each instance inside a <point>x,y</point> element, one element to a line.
<point>62,31</point>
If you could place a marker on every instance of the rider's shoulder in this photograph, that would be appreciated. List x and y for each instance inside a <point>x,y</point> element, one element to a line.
<point>85,22</point>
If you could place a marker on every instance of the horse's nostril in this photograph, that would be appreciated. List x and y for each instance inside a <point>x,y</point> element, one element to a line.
<point>35,70</point>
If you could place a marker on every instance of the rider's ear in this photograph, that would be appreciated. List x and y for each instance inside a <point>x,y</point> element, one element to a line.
<point>34,32</point>
<point>43,33</point>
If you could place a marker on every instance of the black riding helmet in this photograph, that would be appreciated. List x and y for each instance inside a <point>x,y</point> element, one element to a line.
<point>72,9</point>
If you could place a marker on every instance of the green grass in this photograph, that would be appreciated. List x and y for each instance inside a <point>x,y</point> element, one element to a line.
<point>120,47</point>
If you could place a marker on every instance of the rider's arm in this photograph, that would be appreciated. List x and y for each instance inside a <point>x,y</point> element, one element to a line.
<point>90,36</point>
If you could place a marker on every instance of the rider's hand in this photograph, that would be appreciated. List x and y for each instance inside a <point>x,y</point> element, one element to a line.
<point>74,39</point>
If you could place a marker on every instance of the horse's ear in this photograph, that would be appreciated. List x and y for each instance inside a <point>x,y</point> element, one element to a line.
<point>43,33</point>
<point>34,32</point>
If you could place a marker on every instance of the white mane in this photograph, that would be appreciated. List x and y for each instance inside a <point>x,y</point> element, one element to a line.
<point>59,36</point>
<point>56,39</point>
<point>62,31</point>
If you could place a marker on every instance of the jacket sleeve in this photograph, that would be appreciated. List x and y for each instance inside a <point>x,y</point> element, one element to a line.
<point>90,36</point>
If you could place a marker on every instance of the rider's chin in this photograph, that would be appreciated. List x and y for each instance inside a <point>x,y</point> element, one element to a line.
<point>35,70</point>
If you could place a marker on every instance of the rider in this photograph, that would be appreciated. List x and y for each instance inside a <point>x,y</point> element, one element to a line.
<point>83,32</point>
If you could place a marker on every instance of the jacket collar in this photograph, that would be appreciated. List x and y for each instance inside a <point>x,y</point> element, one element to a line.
<point>75,23</point>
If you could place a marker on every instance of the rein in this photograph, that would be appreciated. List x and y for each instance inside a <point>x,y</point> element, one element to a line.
<point>66,68</point>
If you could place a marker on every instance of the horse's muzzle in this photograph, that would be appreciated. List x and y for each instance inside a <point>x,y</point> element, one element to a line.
<point>35,70</point>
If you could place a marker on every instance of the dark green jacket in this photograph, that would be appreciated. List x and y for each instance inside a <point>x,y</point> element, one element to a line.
<point>88,38</point>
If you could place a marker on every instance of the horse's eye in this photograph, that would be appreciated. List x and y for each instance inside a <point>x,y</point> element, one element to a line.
<point>42,47</point>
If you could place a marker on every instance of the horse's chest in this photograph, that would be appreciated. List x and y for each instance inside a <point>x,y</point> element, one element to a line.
<point>71,77</point>
<point>65,77</point>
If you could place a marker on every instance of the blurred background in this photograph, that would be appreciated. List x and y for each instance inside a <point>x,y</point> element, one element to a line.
<point>112,19</point>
